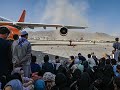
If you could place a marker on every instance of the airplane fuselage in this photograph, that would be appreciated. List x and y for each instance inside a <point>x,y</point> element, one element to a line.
<point>13,30</point>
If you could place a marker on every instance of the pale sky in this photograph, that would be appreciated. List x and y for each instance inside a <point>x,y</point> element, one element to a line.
<point>98,15</point>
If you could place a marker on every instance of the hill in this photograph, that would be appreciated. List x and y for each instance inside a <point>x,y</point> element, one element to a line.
<point>72,35</point>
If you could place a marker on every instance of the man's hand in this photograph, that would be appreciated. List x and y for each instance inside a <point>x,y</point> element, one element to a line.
<point>17,64</point>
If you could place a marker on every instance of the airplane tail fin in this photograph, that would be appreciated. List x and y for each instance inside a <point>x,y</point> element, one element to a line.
<point>22,17</point>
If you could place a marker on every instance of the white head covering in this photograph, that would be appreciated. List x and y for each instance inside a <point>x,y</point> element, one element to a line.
<point>48,76</point>
<point>23,32</point>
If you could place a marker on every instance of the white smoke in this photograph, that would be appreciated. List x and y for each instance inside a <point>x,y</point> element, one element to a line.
<point>70,12</point>
<point>65,12</point>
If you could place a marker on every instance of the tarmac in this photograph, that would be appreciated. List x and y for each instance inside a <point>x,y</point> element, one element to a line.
<point>64,49</point>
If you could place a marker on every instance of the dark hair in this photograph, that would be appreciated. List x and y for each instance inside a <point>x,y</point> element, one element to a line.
<point>72,57</point>
<point>24,35</point>
<point>15,36</point>
<point>116,39</point>
<point>79,54</point>
<point>113,61</point>
<point>77,74</point>
<point>33,59</point>
<point>15,76</point>
<point>63,70</point>
<point>56,57</point>
<point>46,58</point>
<point>4,30</point>
<point>89,55</point>
<point>40,73</point>
<point>60,79</point>
<point>107,61</point>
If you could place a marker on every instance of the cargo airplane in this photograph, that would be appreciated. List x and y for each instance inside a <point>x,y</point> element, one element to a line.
<point>15,27</point>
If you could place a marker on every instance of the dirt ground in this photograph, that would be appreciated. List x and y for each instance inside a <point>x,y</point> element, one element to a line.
<point>62,49</point>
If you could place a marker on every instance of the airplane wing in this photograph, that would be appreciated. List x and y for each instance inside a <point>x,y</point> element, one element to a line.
<point>74,27</point>
<point>5,23</point>
<point>33,25</point>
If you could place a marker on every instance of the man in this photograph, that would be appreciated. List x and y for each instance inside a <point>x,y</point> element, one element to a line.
<point>5,54</point>
<point>91,61</point>
<point>57,63</point>
<point>117,74</point>
<point>94,57</point>
<point>116,47</point>
<point>34,66</point>
<point>81,58</point>
<point>15,42</point>
<point>46,66</point>
<point>22,54</point>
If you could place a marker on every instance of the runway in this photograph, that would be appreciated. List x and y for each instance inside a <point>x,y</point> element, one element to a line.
<point>37,42</point>
<point>61,48</point>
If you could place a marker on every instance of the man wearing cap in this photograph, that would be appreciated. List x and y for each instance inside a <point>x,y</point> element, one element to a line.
<point>5,54</point>
<point>22,54</point>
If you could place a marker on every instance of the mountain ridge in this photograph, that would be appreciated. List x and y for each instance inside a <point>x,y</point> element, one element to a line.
<point>72,35</point>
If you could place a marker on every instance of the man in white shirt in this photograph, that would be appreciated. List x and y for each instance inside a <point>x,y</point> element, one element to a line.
<point>22,53</point>
<point>91,61</point>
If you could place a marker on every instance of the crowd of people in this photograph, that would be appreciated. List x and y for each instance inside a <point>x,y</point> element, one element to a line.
<point>19,69</point>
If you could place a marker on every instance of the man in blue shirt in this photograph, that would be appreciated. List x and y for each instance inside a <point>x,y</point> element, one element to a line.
<point>34,66</point>
<point>47,67</point>
<point>118,70</point>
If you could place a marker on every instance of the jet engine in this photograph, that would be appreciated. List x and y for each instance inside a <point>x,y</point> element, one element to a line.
<point>63,31</point>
